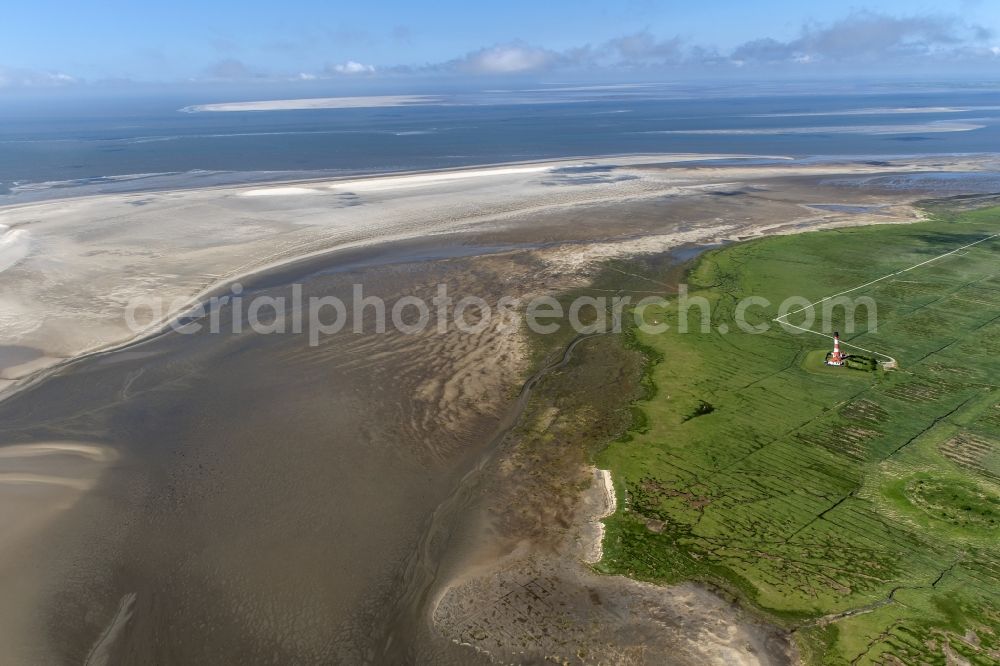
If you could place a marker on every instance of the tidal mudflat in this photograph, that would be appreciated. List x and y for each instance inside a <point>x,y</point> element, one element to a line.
<point>247,497</point>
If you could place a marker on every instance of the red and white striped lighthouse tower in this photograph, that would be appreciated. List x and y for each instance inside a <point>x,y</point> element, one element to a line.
<point>836,358</point>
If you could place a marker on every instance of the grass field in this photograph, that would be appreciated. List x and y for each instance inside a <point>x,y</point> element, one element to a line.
<point>860,509</point>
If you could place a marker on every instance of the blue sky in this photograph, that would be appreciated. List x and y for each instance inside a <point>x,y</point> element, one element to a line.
<point>47,42</point>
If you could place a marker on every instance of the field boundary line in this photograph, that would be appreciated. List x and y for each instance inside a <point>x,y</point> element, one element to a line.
<point>781,319</point>
<point>842,343</point>
<point>884,277</point>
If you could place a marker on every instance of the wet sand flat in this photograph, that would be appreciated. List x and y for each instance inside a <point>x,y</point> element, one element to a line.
<point>267,501</point>
<point>251,498</point>
<point>265,497</point>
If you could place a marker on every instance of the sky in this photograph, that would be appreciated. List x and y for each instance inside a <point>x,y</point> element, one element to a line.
<point>68,43</point>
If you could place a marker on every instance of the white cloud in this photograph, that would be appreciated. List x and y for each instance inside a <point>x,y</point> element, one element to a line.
<point>865,36</point>
<point>644,47</point>
<point>861,41</point>
<point>31,78</point>
<point>861,37</point>
<point>352,67</point>
<point>505,59</point>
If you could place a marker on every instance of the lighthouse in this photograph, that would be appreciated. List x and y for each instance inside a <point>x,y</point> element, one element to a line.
<point>835,358</point>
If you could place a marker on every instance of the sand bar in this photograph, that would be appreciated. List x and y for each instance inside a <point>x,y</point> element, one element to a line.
<point>360,102</point>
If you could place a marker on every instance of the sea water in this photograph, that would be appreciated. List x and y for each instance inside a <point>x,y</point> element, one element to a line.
<point>59,146</point>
